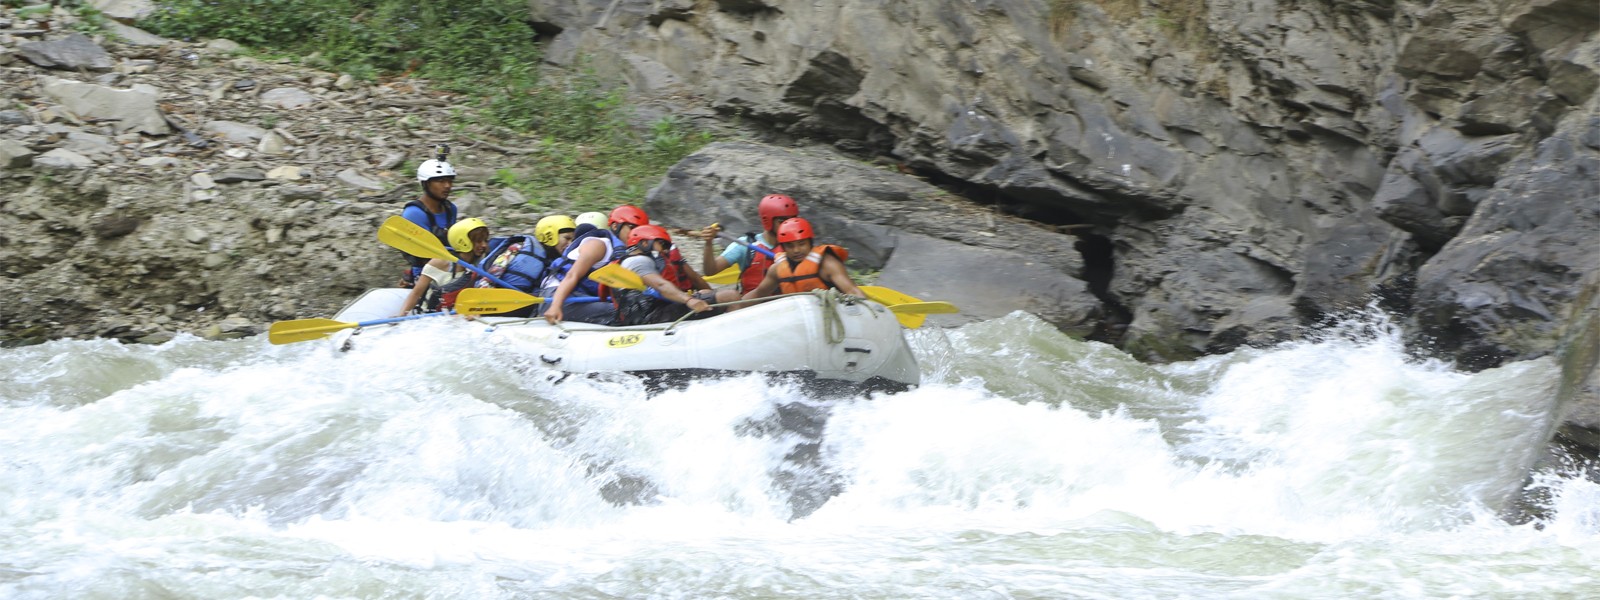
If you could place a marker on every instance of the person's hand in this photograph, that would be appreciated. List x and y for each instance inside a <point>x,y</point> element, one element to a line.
<point>697,305</point>
<point>552,314</point>
<point>709,233</point>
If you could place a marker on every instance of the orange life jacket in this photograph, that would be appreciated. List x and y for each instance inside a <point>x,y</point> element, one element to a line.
<point>752,276</point>
<point>805,276</point>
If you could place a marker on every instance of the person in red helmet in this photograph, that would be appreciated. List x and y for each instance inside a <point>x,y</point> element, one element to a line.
<point>673,289</point>
<point>592,250</point>
<point>805,267</point>
<point>774,209</point>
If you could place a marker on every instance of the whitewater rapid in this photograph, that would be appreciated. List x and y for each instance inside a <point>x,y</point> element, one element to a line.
<point>1028,465</point>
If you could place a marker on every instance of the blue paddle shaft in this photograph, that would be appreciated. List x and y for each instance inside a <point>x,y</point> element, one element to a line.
<point>475,269</point>
<point>399,319</point>
<point>746,244</point>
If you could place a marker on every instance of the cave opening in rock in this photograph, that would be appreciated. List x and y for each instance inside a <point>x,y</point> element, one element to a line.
<point>1099,265</point>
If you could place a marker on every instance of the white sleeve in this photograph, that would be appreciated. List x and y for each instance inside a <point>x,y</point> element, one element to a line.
<point>436,274</point>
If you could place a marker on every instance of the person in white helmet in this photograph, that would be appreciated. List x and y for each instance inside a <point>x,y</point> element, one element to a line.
<point>590,221</point>
<point>433,211</point>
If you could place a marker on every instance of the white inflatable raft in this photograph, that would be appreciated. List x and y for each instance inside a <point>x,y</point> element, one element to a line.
<point>815,338</point>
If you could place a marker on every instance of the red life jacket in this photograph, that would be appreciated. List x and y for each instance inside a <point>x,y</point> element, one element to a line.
<point>752,276</point>
<point>674,271</point>
<point>448,292</point>
<point>805,276</point>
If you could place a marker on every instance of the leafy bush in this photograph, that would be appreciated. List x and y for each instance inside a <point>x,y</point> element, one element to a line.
<point>444,39</point>
<point>590,157</point>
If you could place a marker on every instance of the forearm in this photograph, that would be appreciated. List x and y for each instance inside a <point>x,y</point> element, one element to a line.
<point>709,258</point>
<point>697,282</point>
<point>564,290</point>
<point>417,290</point>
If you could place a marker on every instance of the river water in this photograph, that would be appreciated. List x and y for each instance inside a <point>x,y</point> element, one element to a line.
<point>1029,465</point>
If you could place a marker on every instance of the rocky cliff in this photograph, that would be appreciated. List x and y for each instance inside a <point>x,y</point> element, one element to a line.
<point>1177,177</point>
<point>1226,171</point>
<point>150,187</point>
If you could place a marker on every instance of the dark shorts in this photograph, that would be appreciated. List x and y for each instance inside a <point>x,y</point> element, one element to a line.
<point>598,313</point>
<point>663,311</point>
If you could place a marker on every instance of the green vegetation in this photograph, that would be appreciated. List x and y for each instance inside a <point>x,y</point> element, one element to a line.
<point>600,175</point>
<point>590,156</point>
<point>862,275</point>
<point>89,20</point>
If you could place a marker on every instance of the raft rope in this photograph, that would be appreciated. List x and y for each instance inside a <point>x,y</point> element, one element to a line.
<point>832,323</point>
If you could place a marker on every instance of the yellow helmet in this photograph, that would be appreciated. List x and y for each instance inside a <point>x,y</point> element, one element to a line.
<point>596,219</point>
<point>549,228</point>
<point>461,233</point>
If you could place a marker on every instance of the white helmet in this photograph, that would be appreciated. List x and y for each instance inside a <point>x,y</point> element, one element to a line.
<point>593,218</point>
<point>432,168</point>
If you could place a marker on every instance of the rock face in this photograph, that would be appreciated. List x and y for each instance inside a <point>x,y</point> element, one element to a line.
<point>1234,169</point>
<point>127,218</point>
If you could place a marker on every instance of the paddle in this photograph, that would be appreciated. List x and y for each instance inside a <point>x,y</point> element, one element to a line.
<point>892,298</point>
<point>908,310</point>
<point>615,276</point>
<point>743,243</point>
<point>301,330</point>
<point>486,301</point>
<point>936,307</point>
<point>725,276</point>
<point>407,237</point>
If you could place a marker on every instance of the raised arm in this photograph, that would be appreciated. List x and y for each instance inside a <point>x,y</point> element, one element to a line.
<point>710,260</point>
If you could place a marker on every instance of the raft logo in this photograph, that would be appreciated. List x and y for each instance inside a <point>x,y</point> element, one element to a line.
<point>625,340</point>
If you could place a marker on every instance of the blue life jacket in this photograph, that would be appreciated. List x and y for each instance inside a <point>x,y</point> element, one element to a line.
<point>438,225</point>
<point>562,264</point>
<point>524,269</point>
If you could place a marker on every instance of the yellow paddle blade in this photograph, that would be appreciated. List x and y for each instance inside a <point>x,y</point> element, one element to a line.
<point>488,301</point>
<point>925,308</point>
<point>289,332</point>
<point>615,276</point>
<point>725,276</point>
<point>407,237</point>
<point>889,298</point>
<point>886,296</point>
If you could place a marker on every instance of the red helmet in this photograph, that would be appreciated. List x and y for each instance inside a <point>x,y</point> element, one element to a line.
<point>776,205</point>
<point>648,232</point>
<point>630,214</point>
<point>794,230</point>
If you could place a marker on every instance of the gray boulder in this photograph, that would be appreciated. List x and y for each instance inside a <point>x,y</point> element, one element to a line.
<point>15,155</point>
<point>124,10</point>
<point>235,132</point>
<point>1501,290</point>
<point>134,36</point>
<point>75,51</point>
<point>130,109</point>
<point>62,159</point>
